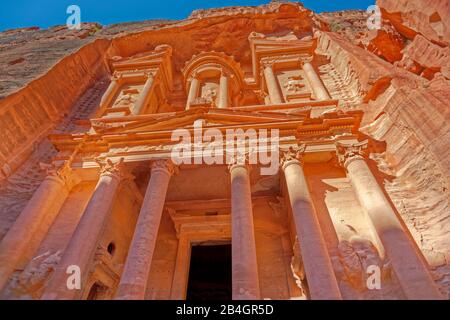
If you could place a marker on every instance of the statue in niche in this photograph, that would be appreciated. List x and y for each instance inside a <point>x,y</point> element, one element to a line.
<point>294,84</point>
<point>211,94</point>
<point>208,95</point>
<point>355,255</point>
<point>127,98</point>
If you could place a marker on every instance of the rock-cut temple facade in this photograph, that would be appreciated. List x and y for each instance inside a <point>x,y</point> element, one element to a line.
<point>97,205</point>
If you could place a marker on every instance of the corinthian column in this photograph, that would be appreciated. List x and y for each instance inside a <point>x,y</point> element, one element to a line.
<point>143,95</point>
<point>410,268</point>
<point>193,90</point>
<point>137,267</point>
<point>223,91</point>
<point>34,221</point>
<point>83,244</point>
<point>318,268</point>
<point>272,84</point>
<point>320,92</point>
<point>245,280</point>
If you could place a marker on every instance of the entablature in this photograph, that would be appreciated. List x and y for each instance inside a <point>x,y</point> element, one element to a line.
<point>148,137</point>
<point>86,168</point>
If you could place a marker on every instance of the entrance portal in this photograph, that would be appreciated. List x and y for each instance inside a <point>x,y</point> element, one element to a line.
<point>210,273</point>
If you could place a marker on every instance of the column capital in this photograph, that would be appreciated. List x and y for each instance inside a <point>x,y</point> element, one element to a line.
<point>63,174</point>
<point>225,73</point>
<point>239,160</point>
<point>116,76</point>
<point>165,165</point>
<point>304,61</point>
<point>349,153</point>
<point>164,48</point>
<point>256,35</point>
<point>116,170</point>
<point>193,76</point>
<point>291,156</point>
<point>267,63</point>
<point>149,75</point>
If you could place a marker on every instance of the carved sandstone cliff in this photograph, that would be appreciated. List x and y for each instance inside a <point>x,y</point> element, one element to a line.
<point>56,88</point>
<point>215,30</point>
<point>399,76</point>
<point>426,17</point>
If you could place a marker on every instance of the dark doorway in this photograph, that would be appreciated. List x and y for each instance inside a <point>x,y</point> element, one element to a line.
<point>210,273</point>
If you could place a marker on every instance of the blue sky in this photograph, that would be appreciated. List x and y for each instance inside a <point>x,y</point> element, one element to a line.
<point>45,13</point>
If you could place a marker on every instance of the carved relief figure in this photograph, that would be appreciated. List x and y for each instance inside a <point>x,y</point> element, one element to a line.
<point>127,98</point>
<point>294,84</point>
<point>210,92</point>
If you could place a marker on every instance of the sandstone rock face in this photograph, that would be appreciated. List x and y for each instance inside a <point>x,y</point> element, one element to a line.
<point>417,158</point>
<point>386,43</point>
<point>29,113</point>
<point>417,124</point>
<point>21,184</point>
<point>396,79</point>
<point>351,24</point>
<point>426,17</point>
<point>31,60</point>
<point>426,58</point>
<point>426,28</point>
<point>28,53</point>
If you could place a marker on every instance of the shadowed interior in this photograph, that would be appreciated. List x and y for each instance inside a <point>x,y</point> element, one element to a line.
<point>210,273</point>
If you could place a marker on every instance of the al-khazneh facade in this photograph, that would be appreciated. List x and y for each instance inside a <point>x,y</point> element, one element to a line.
<point>115,205</point>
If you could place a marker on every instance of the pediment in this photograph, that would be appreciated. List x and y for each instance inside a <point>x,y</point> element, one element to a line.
<point>265,45</point>
<point>186,119</point>
<point>289,43</point>
<point>278,49</point>
<point>146,59</point>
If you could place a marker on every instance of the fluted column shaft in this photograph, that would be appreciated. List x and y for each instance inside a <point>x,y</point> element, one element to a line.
<point>144,95</point>
<point>33,223</point>
<point>223,94</point>
<point>320,92</point>
<point>317,263</point>
<point>133,283</point>
<point>193,90</point>
<point>84,241</point>
<point>245,280</point>
<point>410,268</point>
<point>272,85</point>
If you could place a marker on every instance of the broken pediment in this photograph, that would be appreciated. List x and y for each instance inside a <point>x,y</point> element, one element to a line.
<point>287,49</point>
<point>142,61</point>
